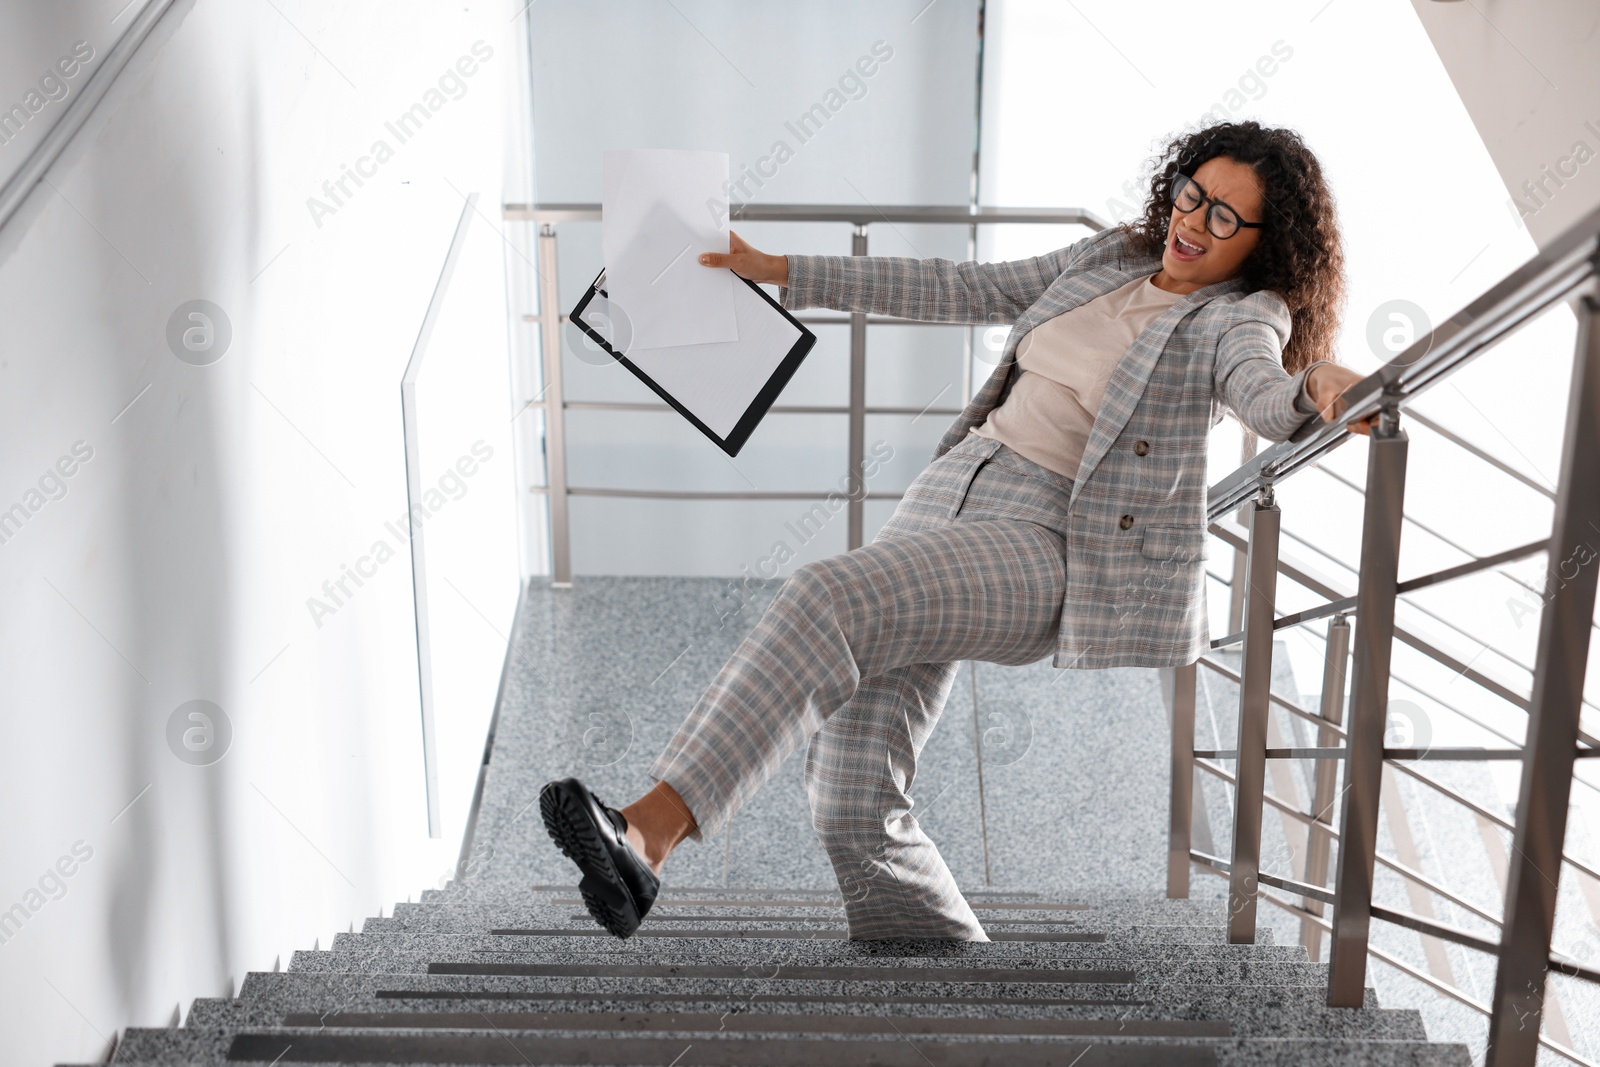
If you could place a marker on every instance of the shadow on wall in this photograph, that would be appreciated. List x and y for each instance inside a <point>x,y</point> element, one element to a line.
<point>176,548</point>
<point>156,571</point>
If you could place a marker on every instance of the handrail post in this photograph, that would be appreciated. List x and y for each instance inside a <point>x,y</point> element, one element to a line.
<point>1363,764</point>
<point>1249,445</point>
<point>1319,836</point>
<point>1547,762</point>
<point>858,406</point>
<point>555,411</point>
<point>1255,694</point>
<point>1181,807</point>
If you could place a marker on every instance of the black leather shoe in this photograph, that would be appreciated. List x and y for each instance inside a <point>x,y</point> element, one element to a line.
<point>618,886</point>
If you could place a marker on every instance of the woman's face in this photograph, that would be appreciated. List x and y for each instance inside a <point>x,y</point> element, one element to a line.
<point>1194,257</point>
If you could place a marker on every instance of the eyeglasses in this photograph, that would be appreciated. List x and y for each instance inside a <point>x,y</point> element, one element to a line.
<point>1221,220</point>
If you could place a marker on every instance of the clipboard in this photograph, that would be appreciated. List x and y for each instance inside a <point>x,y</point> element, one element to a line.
<point>724,389</point>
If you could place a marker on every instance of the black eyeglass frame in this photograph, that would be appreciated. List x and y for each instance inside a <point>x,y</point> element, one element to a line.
<point>1181,181</point>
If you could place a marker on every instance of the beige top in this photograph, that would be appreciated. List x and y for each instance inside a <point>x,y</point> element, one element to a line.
<point>1064,365</point>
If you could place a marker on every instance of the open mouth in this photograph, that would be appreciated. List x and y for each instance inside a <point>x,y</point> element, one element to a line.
<point>1184,251</point>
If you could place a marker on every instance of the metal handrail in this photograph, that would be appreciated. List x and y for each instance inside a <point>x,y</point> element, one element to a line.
<point>1476,562</point>
<point>1527,292</point>
<point>855,214</point>
<point>552,400</point>
<point>1306,578</point>
<point>1568,266</point>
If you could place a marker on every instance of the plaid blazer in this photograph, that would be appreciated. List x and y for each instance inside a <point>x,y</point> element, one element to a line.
<point>1136,526</point>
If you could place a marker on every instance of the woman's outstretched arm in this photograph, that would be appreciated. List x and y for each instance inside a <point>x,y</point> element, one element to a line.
<point>1251,382</point>
<point>930,290</point>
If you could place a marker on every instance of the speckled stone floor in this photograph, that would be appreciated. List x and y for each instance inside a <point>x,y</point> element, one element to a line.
<point>1045,790</point>
<point>605,671</point>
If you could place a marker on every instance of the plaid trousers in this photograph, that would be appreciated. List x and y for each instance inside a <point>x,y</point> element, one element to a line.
<point>857,653</point>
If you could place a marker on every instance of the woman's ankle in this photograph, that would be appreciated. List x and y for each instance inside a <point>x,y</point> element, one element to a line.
<point>657,823</point>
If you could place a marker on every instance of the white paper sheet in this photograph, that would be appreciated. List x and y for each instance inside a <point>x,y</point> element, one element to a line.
<point>715,382</point>
<point>661,208</point>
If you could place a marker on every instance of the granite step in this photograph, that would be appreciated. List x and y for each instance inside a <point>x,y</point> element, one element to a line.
<point>562,919</point>
<point>846,961</point>
<point>501,896</point>
<point>283,1002</point>
<point>343,986</point>
<point>768,977</point>
<point>548,1048</point>
<point>691,943</point>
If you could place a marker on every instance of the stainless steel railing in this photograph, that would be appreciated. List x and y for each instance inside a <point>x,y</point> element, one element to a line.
<point>1523,949</point>
<point>1568,267</point>
<point>552,399</point>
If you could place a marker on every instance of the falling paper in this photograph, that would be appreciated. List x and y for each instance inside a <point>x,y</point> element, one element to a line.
<point>660,209</point>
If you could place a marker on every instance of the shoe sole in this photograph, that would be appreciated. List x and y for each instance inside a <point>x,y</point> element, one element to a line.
<point>575,836</point>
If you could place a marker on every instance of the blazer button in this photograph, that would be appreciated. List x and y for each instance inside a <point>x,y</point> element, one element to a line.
<point>1125,522</point>
<point>1141,448</point>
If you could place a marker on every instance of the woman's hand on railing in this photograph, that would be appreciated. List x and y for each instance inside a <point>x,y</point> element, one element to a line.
<point>746,262</point>
<point>1327,384</point>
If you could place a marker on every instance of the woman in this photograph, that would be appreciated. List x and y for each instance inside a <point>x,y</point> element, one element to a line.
<point>1064,511</point>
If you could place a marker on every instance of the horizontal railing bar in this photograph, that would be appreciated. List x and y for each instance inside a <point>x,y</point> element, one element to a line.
<point>1311,615</point>
<point>1422,976</point>
<point>1451,794</point>
<point>1235,638</point>
<point>1408,873</point>
<point>1344,604</point>
<point>1287,705</point>
<point>1440,536</point>
<point>1411,874</point>
<point>1410,755</point>
<point>1435,929</point>
<point>776,409</point>
<point>1479,723</point>
<point>1478,809</point>
<point>1302,889</point>
<point>1400,965</point>
<point>1468,754</point>
<point>859,214</point>
<point>697,494</point>
<point>1222,866</point>
<point>1472,566</point>
<point>1321,588</point>
<point>1559,268</point>
<point>1572,968</point>
<point>1453,544</point>
<point>1268,798</point>
<point>1494,461</point>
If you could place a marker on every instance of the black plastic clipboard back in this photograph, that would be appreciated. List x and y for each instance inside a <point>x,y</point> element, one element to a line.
<point>758,407</point>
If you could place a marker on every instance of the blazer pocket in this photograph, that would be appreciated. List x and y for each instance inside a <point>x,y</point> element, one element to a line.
<point>970,455</point>
<point>1180,543</point>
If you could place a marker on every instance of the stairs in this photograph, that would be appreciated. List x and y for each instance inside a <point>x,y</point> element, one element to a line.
<point>481,974</point>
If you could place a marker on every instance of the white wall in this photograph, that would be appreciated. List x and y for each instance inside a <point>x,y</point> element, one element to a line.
<point>177,560</point>
<point>1528,72</point>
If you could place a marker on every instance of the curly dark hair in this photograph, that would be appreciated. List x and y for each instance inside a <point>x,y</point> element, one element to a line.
<point>1299,255</point>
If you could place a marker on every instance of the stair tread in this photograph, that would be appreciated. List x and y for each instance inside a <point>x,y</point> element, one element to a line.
<point>1121,981</point>
<point>656,946</point>
<point>489,1046</point>
<point>1246,1020</point>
